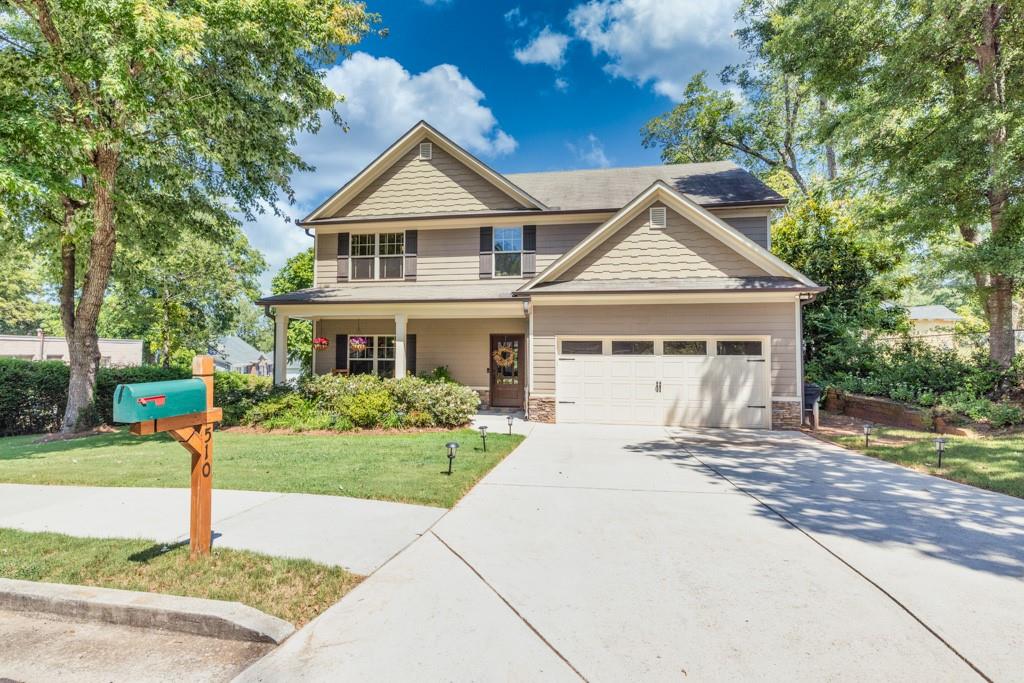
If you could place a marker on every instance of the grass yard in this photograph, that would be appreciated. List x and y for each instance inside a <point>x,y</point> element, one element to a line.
<point>995,463</point>
<point>295,590</point>
<point>401,467</point>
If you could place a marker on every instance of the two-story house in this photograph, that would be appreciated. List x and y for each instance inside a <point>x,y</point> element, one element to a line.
<point>626,295</point>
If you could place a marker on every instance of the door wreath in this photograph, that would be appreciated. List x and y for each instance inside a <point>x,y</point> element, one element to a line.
<point>504,356</point>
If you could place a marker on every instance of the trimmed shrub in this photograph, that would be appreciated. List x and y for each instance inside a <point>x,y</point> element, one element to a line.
<point>107,380</point>
<point>237,393</point>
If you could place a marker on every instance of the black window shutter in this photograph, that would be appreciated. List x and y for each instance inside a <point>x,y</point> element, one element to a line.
<point>410,354</point>
<point>341,352</point>
<point>411,247</point>
<point>342,257</point>
<point>529,250</point>
<point>486,245</point>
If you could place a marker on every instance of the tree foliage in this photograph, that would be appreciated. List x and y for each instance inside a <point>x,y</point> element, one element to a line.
<point>131,122</point>
<point>929,99</point>
<point>297,273</point>
<point>826,241</point>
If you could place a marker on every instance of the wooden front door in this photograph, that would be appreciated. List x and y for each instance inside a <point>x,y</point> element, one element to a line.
<point>508,370</point>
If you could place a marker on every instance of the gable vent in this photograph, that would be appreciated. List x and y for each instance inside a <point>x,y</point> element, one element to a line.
<point>659,218</point>
<point>426,150</point>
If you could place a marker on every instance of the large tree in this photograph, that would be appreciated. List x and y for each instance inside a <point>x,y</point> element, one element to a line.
<point>929,99</point>
<point>117,109</point>
<point>181,297</point>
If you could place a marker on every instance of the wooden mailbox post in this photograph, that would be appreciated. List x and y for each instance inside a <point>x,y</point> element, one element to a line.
<point>193,430</point>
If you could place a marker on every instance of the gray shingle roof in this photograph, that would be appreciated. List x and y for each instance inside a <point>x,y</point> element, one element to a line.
<point>682,284</point>
<point>355,293</point>
<point>933,312</point>
<point>716,182</point>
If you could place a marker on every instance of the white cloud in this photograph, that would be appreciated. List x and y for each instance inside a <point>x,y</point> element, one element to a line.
<point>547,47</point>
<point>382,101</point>
<point>431,3</point>
<point>514,17</point>
<point>561,85</point>
<point>659,41</point>
<point>590,152</point>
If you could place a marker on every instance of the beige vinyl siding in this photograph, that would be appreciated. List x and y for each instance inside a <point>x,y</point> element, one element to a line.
<point>680,250</point>
<point>461,344</point>
<point>437,185</point>
<point>774,319</point>
<point>448,256</point>
<point>555,240</point>
<point>754,228</point>
<point>326,260</point>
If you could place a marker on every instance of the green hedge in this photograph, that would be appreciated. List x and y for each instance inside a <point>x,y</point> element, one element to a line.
<point>33,394</point>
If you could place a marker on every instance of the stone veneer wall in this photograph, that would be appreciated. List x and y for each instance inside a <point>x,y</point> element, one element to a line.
<point>541,409</point>
<point>785,415</point>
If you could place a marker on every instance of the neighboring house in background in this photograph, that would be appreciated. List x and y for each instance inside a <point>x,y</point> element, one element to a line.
<point>113,352</point>
<point>635,295</point>
<point>234,354</point>
<point>933,324</point>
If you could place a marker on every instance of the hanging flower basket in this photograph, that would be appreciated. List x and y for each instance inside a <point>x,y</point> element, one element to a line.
<point>504,356</point>
<point>320,343</point>
<point>357,344</point>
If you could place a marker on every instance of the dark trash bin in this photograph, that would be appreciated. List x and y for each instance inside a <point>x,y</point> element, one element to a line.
<point>812,392</point>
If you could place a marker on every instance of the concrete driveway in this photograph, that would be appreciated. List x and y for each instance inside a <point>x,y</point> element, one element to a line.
<point>615,553</point>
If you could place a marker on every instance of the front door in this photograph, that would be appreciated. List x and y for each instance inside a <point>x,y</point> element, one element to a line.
<point>508,370</point>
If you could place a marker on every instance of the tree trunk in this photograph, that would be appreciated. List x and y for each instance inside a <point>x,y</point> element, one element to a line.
<point>83,342</point>
<point>831,167</point>
<point>999,299</point>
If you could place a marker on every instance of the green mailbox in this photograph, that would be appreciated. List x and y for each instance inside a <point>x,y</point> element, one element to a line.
<point>152,400</point>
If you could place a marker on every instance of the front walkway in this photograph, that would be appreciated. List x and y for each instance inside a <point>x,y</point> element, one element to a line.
<point>615,553</point>
<point>359,535</point>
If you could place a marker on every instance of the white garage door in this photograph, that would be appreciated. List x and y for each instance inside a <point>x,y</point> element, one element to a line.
<point>710,382</point>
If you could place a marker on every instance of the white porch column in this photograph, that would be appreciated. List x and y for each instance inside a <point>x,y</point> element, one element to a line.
<point>280,348</point>
<point>401,320</point>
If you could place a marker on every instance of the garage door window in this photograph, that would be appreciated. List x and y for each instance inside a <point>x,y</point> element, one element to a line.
<point>739,348</point>
<point>632,348</point>
<point>686,348</point>
<point>588,347</point>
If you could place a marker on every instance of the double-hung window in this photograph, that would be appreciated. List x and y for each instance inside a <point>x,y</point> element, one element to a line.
<point>372,355</point>
<point>378,256</point>
<point>508,252</point>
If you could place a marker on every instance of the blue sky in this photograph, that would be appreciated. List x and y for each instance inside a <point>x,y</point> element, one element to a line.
<point>525,86</point>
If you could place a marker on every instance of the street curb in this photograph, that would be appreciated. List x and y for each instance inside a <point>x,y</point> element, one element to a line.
<point>198,616</point>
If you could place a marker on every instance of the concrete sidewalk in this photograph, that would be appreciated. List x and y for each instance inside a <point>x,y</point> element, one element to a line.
<point>357,534</point>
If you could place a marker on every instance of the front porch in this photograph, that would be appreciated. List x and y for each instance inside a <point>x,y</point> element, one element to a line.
<point>482,348</point>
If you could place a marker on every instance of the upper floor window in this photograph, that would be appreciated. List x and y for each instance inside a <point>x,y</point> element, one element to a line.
<point>378,256</point>
<point>508,252</point>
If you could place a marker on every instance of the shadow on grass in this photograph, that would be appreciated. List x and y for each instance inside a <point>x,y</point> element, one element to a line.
<point>154,551</point>
<point>21,447</point>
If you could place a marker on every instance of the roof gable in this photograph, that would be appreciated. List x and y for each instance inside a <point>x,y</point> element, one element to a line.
<point>460,174</point>
<point>762,261</point>
<point>680,249</point>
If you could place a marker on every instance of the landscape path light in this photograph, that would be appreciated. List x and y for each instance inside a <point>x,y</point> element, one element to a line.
<point>510,419</point>
<point>452,447</point>
<point>940,447</point>
<point>483,435</point>
<point>867,434</point>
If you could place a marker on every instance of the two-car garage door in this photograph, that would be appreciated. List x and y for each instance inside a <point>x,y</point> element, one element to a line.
<point>696,382</point>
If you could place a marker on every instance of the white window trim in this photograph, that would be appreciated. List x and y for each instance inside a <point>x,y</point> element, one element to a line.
<point>494,253</point>
<point>376,257</point>
<point>376,349</point>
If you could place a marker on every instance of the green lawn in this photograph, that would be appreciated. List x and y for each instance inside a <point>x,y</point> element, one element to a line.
<point>295,590</point>
<point>995,463</point>
<point>401,467</point>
